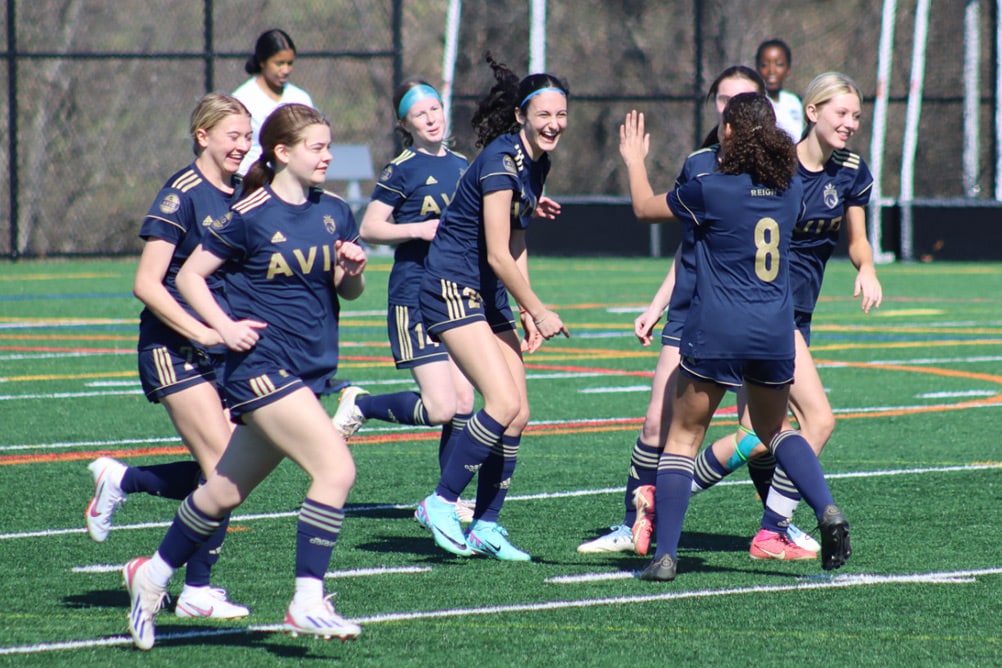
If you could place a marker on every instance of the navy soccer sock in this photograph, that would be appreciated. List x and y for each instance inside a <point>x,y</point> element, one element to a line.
<point>189,530</point>
<point>450,435</point>
<point>643,471</point>
<point>400,407</point>
<point>175,480</point>
<point>316,534</point>
<point>199,570</point>
<point>794,454</point>
<point>473,447</point>
<point>671,501</point>
<point>495,478</point>
<point>761,470</point>
<point>708,470</point>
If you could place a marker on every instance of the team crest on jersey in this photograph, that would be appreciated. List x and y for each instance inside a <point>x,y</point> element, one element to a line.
<point>509,164</point>
<point>831,196</point>
<point>222,221</point>
<point>386,173</point>
<point>207,222</point>
<point>170,204</point>
<point>329,224</point>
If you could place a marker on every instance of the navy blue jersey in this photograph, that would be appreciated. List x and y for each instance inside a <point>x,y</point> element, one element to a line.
<point>845,181</point>
<point>741,307</point>
<point>703,161</point>
<point>418,186</point>
<point>458,252</point>
<point>183,209</point>
<point>282,273</point>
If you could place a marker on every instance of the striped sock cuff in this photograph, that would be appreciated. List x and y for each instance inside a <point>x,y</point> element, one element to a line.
<point>677,464</point>
<point>325,518</point>
<point>484,429</point>
<point>645,456</point>
<point>420,414</point>
<point>782,484</point>
<point>197,521</point>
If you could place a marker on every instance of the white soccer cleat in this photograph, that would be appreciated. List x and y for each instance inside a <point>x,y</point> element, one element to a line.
<point>108,496</point>
<point>619,539</point>
<point>207,603</point>
<point>801,539</point>
<point>347,419</point>
<point>146,601</point>
<point>319,619</point>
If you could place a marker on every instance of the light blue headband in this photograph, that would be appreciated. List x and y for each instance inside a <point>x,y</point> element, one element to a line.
<point>548,89</point>
<point>413,96</point>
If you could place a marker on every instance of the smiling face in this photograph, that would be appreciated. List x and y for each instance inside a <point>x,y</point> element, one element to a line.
<point>836,120</point>
<point>543,122</point>
<point>425,121</point>
<point>276,70</point>
<point>774,68</point>
<point>224,145</point>
<point>307,160</point>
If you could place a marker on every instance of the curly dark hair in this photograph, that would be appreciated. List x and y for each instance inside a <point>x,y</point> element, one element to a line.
<point>755,145</point>
<point>495,113</point>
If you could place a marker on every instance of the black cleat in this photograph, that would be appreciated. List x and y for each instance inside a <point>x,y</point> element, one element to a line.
<point>661,569</point>
<point>835,548</point>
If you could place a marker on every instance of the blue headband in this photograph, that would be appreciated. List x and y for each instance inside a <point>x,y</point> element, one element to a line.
<point>413,96</point>
<point>548,89</point>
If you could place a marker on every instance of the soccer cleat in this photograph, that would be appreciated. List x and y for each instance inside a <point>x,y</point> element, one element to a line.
<point>319,619</point>
<point>661,569</point>
<point>801,539</point>
<point>835,548</point>
<point>207,603</point>
<point>146,600</point>
<point>643,526</point>
<point>772,545</point>
<point>347,419</point>
<point>439,516</point>
<point>491,539</point>
<point>619,539</point>
<point>108,496</point>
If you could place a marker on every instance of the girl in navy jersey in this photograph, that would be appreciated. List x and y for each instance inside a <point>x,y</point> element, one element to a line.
<point>404,211</point>
<point>837,187</point>
<point>290,253</point>
<point>478,257</point>
<point>179,356</point>
<point>674,294</point>
<point>739,327</point>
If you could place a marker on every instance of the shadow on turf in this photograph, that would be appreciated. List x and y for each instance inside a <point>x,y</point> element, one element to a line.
<point>230,635</point>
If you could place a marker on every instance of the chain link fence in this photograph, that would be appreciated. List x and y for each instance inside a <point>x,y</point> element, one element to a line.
<point>99,91</point>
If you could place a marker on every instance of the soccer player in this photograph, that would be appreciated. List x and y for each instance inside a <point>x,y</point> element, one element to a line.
<point>290,253</point>
<point>837,187</point>
<point>774,61</point>
<point>270,67</point>
<point>404,211</point>
<point>675,293</point>
<point>478,257</point>
<point>180,357</point>
<point>739,329</point>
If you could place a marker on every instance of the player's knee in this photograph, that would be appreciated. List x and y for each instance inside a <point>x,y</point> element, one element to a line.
<point>818,429</point>
<point>465,401</point>
<point>521,420</point>
<point>440,409</point>
<point>504,409</point>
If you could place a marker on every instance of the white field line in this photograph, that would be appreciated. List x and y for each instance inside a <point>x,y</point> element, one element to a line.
<point>826,582</point>
<point>567,494</point>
